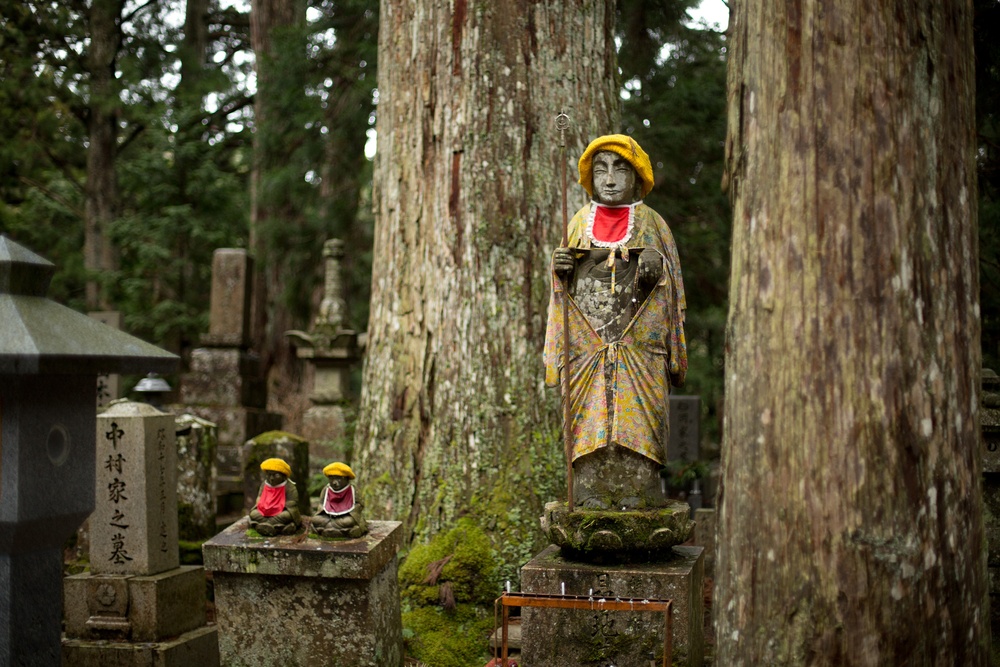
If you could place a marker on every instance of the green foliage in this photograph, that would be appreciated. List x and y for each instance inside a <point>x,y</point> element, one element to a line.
<point>467,565</point>
<point>439,638</point>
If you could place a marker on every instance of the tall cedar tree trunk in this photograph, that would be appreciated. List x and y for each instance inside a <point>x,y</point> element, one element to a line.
<point>454,417</point>
<point>102,185</point>
<point>274,115</point>
<point>851,525</point>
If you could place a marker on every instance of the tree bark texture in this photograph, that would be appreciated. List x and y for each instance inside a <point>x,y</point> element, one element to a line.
<point>454,416</point>
<point>851,525</point>
<point>102,184</point>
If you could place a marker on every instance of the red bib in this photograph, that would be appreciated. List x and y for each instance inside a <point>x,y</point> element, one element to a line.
<point>272,500</point>
<point>610,224</point>
<point>338,502</point>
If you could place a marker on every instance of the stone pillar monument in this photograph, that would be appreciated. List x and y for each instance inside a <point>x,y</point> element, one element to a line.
<point>224,384</point>
<point>135,591</point>
<point>331,350</point>
<point>50,357</point>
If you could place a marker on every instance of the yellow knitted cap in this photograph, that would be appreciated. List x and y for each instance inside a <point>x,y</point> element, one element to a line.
<point>625,146</point>
<point>338,468</point>
<point>277,465</point>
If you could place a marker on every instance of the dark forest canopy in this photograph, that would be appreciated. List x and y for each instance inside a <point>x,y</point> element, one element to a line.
<point>183,114</point>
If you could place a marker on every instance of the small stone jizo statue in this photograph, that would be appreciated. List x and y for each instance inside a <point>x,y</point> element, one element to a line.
<point>277,508</point>
<point>340,508</point>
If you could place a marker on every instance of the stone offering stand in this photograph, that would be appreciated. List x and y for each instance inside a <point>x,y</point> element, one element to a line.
<point>296,600</point>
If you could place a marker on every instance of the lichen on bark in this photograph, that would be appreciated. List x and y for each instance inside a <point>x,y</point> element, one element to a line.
<point>851,522</point>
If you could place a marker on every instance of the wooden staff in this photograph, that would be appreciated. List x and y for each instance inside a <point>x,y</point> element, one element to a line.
<point>562,124</point>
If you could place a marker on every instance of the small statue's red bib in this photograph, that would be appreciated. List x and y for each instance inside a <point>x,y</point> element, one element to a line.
<point>338,502</point>
<point>272,500</point>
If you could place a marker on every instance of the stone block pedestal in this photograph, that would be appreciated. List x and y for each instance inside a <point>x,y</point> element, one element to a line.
<point>135,608</point>
<point>295,601</point>
<point>570,638</point>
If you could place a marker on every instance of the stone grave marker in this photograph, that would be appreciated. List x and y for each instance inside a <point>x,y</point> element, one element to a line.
<point>135,591</point>
<point>685,436</point>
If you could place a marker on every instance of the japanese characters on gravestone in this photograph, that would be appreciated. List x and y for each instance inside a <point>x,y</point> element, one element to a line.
<point>134,526</point>
<point>136,591</point>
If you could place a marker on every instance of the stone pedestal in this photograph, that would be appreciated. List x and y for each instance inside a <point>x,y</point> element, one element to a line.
<point>704,536</point>
<point>571,638</point>
<point>289,601</point>
<point>136,608</point>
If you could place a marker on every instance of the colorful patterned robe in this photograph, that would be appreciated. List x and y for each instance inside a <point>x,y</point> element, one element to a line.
<point>651,352</point>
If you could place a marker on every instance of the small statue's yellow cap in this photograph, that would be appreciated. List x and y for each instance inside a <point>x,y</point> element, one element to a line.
<point>340,469</point>
<point>277,465</point>
<point>623,145</point>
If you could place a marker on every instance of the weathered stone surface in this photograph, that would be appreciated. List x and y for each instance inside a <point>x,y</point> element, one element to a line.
<point>685,435</point>
<point>571,638</point>
<point>327,602</point>
<point>197,442</point>
<point>108,384</point>
<point>618,535</point>
<point>135,608</point>
<point>197,648</point>
<point>236,425</point>
<point>133,529</point>
<point>275,444</point>
<point>325,428</point>
<point>229,315</point>
<point>227,377</point>
<point>704,536</point>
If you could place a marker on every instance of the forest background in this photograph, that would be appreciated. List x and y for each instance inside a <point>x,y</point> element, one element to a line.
<point>141,136</point>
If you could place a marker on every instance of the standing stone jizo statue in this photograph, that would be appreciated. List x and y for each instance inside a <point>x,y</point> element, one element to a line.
<point>626,341</point>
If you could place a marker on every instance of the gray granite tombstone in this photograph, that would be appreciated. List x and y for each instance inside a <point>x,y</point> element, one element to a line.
<point>136,591</point>
<point>224,383</point>
<point>50,357</point>
<point>197,440</point>
<point>685,438</point>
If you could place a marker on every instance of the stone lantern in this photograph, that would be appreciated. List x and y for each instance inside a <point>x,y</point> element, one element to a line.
<point>50,357</point>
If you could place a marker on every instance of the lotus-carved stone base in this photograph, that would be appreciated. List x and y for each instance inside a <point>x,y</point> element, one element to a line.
<point>617,536</point>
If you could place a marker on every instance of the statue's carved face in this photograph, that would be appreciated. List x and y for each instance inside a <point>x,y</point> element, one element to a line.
<point>338,482</point>
<point>274,478</point>
<point>615,179</point>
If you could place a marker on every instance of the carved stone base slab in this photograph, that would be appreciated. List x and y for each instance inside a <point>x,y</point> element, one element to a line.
<point>597,535</point>
<point>195,648</point>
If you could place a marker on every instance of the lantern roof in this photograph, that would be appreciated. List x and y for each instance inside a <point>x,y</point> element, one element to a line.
<point>39,336</point>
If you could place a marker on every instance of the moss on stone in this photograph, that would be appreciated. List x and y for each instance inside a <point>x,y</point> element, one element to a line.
<point>273,437</point>
<point>439,638</point>
<point>470,572</point>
